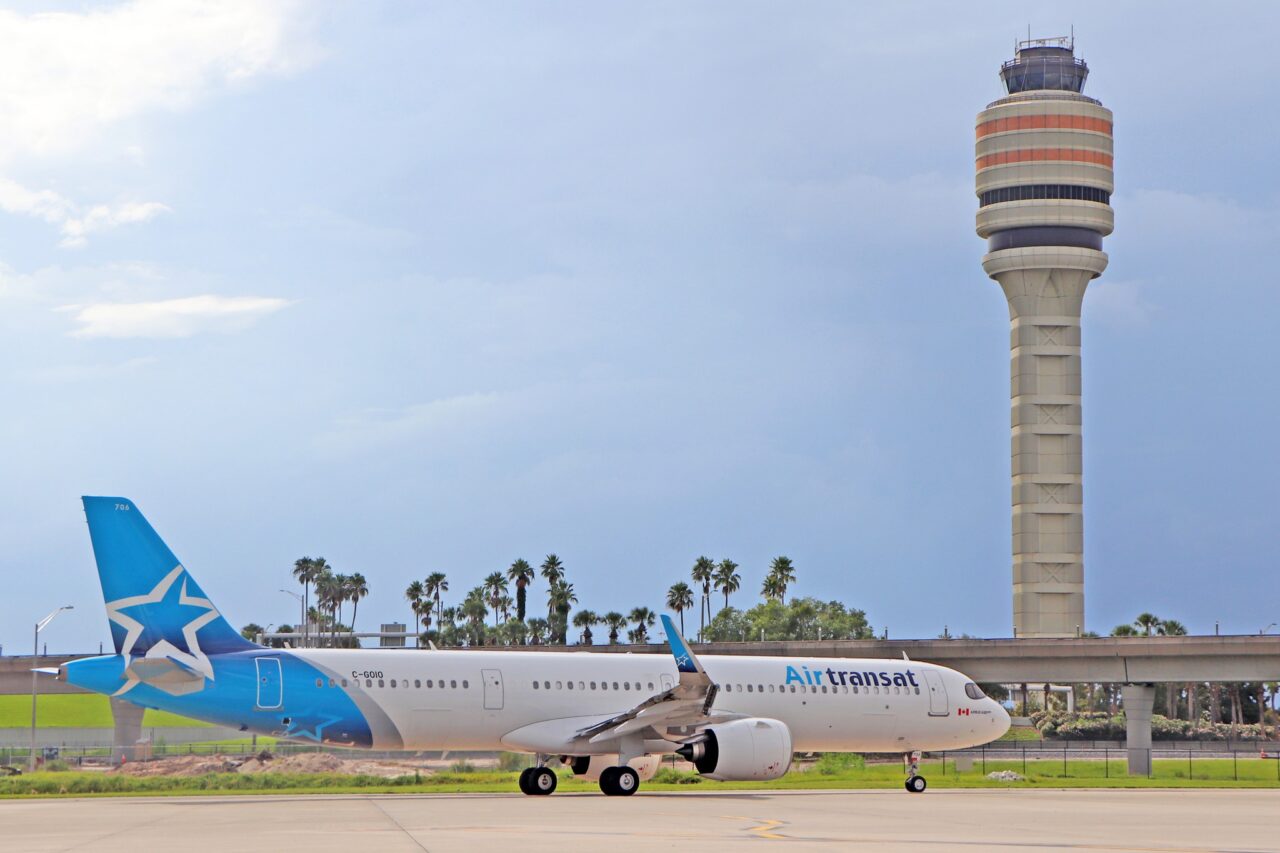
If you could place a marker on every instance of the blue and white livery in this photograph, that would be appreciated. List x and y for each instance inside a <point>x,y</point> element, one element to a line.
<point>609,716</point>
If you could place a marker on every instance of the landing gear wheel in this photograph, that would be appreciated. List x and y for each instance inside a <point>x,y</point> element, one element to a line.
<point>542,781</point>
<point>524,780</point>
<point>619,781</point>
<point>609,781</point>
<point>916,784</point>
<point>627,781</point>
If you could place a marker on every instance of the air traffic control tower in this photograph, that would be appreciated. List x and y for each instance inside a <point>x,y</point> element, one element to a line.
<point>1044,183</point>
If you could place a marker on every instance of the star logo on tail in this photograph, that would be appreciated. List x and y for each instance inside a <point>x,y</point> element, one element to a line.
<point>163,623</point>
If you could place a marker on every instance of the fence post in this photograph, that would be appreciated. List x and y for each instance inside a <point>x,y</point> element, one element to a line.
<point>1106,761</point>
<point>1024,760</point>
<point>984,760</point>
<point>1190,774</point>
<point>1235,764</point>
<point>1064,761</point>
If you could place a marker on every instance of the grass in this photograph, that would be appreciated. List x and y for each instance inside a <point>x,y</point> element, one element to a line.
<point>1168,773</point>
<point>76,710</point>
<point>1019,733</point>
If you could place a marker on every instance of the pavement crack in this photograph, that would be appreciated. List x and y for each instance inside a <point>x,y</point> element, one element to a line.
<point>389,816</point>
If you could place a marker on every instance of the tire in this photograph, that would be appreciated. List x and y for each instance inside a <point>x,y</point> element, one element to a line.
<point>916,784</point>
<point>627,782</point>
<point>542,781</point>
<point>609,782</point>
<point>524,780</point>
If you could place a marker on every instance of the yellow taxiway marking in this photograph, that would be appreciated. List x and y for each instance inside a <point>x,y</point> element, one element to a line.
<point>761,831</point>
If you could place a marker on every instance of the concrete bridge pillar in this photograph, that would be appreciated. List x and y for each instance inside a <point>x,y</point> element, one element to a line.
<point>1138,700</point>
<point>128,720</point>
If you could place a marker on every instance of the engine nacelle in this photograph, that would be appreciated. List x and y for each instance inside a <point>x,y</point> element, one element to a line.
<point>591,766</point>
<point>752,749</point>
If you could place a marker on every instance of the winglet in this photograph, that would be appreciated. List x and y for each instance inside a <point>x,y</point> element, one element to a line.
<point>686,661</point>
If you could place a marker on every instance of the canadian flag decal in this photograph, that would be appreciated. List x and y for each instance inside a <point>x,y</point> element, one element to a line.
<point>962,712</point>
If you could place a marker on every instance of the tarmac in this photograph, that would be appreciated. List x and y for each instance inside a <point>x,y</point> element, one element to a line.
<point>1168,821</point>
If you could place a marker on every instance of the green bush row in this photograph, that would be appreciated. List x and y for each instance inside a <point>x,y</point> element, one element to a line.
<point>1099,725</point>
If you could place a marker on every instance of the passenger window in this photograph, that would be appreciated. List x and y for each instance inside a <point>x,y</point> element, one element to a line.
<point>604,685</point>
<point>804,689</point>
<point>759,688</point>
<point>368,682</point>
<point>344,682</point>
<point>650,685</point>
<point>417,682</point>
<point>593,685</point>
<point>582,685</point>
<point>615,685</point>
<point>546,685</point>
<point>793,688</point>
<point>748,688</point>
<point>465,685</point>
<point>393,682</point>
<point>319,682</point>
<point>568,684</point>
<point>381,683</point>
<point>560,685</point>
<point>535,687</point>
<point>430,683</point>
<point>824,688</point>
<point>917,691</point>
<point>770,688</point>
<point>453,684</point>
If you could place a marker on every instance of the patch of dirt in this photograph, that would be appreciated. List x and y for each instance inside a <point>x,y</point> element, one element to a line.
<point>265,762</point>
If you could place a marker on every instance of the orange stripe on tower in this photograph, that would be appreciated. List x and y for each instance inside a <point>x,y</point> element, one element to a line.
<point>1074,155</point>
<point>1001,125</point>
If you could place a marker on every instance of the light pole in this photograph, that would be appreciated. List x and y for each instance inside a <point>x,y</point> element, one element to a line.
<point>35,684</point>
<point>302,608</point>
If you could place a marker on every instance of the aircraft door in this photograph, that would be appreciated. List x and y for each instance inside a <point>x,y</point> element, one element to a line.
<point>270,683</point>
<point>938,703</point>
<point>492,689</point>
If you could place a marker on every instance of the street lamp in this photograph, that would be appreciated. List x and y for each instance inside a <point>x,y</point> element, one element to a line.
<point>35,675</point>
<point>302,608</point>
<point>1268,628</point>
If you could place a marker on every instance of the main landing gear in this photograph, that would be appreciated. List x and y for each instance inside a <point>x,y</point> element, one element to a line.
<point>915,782</point>
<point>537,781</point>
<point>619,781</point>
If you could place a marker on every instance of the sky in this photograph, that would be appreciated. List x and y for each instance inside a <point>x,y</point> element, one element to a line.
<point>431,287</point>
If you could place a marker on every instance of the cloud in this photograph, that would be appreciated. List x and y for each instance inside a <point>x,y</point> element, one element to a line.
<point>74,222</point>
<point>172,318</point>
<point>70,76</point>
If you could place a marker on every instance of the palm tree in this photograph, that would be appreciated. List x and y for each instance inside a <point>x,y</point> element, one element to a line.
<point>1174,628</point>
<point>1124,631</point>
<point>357,589</point>
<point>680,599</point>
<point>704,569</point>
<point>327,596</point>
<point>553,571</point>
<point>415,594</point>
<point>727,579</point>
<point>1148,622</point>
<point>773,588</point>
<point>520,573</point>
<point>644,619</point>
<point>784,573</point>
<point>435,585</point>
<point>495,586</point>
<point>560,599</point>
<point>584,619</point>
<point>304,572</point>
<point>474,610</point>
<point>615,622</point>
<point>505,604</point>
<point>538,628</point>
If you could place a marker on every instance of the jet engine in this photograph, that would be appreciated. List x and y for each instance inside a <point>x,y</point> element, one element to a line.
<point>752,749</point>
<point>591,766</point>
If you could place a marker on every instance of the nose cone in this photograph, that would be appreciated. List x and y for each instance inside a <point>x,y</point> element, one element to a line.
<point>1000,718</point>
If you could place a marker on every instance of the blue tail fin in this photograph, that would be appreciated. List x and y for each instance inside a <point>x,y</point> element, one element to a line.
<point>155,607</point>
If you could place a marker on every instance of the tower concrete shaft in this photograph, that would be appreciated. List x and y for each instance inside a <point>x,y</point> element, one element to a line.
<point>1044,183</point>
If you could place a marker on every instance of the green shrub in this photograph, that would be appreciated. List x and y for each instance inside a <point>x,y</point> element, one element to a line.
<point>462,766</point>
<point>510,762</point>
<point>672,776</point>
<point>839,763</point>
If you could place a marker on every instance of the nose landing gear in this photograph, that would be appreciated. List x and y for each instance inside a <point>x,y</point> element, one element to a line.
<point>915,782</point>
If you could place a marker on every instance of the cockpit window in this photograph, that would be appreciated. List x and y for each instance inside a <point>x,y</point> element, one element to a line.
<point>973,691</point>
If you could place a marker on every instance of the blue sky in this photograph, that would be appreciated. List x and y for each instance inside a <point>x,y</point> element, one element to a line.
<point>424,287</point>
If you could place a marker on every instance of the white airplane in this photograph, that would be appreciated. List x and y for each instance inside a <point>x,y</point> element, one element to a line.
<point>610,717</point>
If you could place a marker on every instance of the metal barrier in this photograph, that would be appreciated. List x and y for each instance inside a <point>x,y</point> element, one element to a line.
<point>1073,762</point>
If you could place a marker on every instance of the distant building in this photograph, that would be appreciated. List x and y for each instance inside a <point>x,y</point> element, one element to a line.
<point>391,642</point>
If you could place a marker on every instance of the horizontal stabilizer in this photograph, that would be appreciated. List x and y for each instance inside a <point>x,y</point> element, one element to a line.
<point>46,670</point>
<point>167,674</point>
